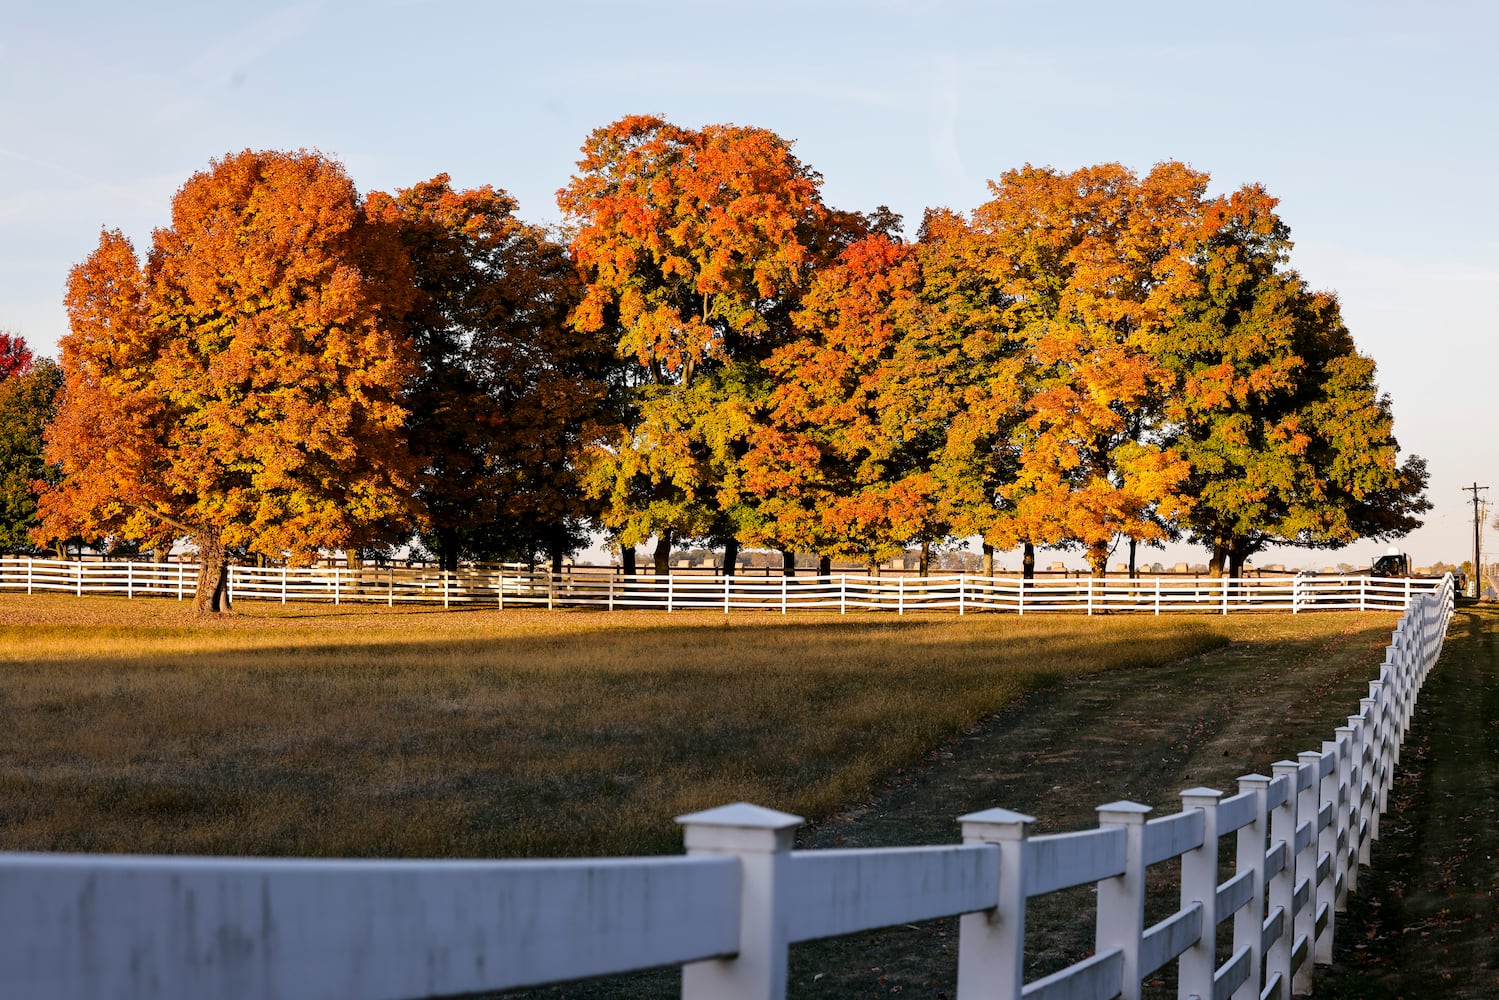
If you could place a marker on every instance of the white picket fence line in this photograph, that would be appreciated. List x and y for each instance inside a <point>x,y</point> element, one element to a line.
<point>78,927</point>
<point>521,586</point>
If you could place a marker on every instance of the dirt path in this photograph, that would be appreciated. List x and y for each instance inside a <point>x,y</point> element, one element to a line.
<point>1425,919</point>
<point>1141,734</point>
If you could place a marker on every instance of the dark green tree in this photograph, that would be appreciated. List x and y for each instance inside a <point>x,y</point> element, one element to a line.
<point>28,399</point>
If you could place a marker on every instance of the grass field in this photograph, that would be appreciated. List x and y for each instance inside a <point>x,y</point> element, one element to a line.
<point>315,730</point>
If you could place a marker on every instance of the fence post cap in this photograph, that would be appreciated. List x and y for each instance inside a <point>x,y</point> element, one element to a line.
<point>1123,812</point>
<point>1308,756</point>
<point>1200,796</point>
<point>1256,780</point>
<point>996,824</point>
<point>739,827</point>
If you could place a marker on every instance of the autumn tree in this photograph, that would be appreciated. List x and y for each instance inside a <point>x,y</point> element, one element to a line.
<point>28,394</point>
<point>1091,265</point>
<point>856,412</point>
<point>15,356</point>
<point>1288,438</point>
<point>694,246</point>
<point>505,390</point>
<point>244,387</point>
<point>981,369</point>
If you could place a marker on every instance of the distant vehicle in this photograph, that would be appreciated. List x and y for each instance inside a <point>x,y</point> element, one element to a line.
<point>1397,566</point>
<point>1392,564</point>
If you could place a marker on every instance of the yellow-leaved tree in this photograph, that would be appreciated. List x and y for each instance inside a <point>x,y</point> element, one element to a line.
<point>243,388</point>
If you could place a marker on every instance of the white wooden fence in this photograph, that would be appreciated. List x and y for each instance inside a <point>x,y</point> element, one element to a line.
<point>601,587</point>
<point>76,927</point>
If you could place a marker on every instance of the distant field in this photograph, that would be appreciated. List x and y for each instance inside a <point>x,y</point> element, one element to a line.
<point>316,730</point>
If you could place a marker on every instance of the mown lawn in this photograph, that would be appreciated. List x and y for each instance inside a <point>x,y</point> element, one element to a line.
<point>314,730</point>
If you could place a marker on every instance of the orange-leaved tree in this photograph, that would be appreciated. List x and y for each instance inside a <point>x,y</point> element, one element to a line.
<point>842,464</point>
<point>694,246</point>
<point>1093,266</point>
<point>244,388</point>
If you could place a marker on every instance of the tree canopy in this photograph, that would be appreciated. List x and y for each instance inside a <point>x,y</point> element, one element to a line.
<point>1089,357</point>
<point>244,387</point>
<point>28,393</point>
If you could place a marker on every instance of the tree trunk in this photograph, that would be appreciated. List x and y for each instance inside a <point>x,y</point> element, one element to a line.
<point>1220,554</point>
<point>1134,573</point>
<point>986,565</point>
<point>1028,561</point>
<point>788,562</point>
<point>663,553</point>
<point>557,547</point>
<point>355,561</point>
<point>1098,560</point>
<point>627,561</point>
<point>212,594</point>
<point>730,557</point>
<point>160,553</point>
<point>924,564</point>
<point>1238,555</point>
<point>824,565</point>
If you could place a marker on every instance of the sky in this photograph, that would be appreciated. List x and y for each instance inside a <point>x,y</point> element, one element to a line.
<point>1376,125</point>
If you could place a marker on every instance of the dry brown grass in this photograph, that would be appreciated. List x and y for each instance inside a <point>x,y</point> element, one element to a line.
<point>313,730</point>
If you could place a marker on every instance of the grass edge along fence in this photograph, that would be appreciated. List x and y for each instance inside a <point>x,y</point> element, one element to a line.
<point>607,588</point>
<point>77,927</point>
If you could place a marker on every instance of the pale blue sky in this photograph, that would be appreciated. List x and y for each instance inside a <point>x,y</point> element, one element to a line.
<point>1374,123</point>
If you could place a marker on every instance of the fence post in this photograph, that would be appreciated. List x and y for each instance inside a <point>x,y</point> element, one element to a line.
<point>502,589</point>
<point>611,590</point>
<point>1327,846</point>
<point>229,584</point>
<point>668,591</point>
<point>1306,871</point>
<point>783,596</point>
<point>130,580</point>
<point>1021,601</point>
<point>1158,596</point>
<point>28,575</point>
<point>1121,899</point>
<point>1369,792</point>
<point>336,594</point>
<point>1363,584</point>
<point>1358,818</point>
<point>179,579</point>
<point>726,592</point>
<point>1090,593</point>
<point>960,595</point>
<point>991,943</point>
<point>761,839</point>
<point>1199,884</point>
<point>1345,867</point>
<point>283,583</point>
<point>443,576</point>
<point>1225,594</point>
<point>1296,594</point>
<point>1249,921</point>
<point>1281,892</point>
<point>843,593</point>
<point>900,595</point>
<point>78,590</point>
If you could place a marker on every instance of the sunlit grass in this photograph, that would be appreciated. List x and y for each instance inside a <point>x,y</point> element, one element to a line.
<point>313,730</point>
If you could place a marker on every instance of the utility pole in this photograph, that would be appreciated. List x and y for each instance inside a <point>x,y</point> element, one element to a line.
<point>1477,519</point>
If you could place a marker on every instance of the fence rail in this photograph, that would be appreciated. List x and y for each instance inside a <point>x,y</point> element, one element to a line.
<point>604,588</point>
<point>76,927</point>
